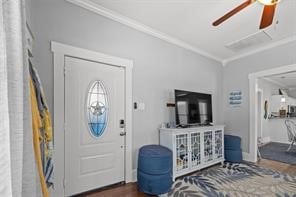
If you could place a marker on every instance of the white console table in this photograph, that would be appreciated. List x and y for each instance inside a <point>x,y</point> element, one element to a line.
<point>194,148</point>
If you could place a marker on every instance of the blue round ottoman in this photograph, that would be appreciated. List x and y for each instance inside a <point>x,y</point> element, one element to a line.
<point>154,169</point>
<point>232,142</point>
<point>232,149</point>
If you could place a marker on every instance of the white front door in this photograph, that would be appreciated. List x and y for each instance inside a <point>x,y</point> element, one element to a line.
<point>94,137</point>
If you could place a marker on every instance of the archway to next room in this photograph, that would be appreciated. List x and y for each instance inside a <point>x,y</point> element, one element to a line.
<point>273,114</point>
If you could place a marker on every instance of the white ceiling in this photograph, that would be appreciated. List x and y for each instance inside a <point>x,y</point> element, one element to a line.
<point>189,21</point>
<point>285,80</point>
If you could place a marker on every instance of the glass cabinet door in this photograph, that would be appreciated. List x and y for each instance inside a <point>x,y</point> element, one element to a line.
<point>218,144</point>
<point>195,149</point>
<point>208,146</point>
<point>181,152</point>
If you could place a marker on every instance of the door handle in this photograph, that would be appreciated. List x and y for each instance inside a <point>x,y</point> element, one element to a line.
<point>122,133</point>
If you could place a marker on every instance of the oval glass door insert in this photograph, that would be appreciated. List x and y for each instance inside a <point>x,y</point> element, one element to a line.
<point>97,108</point>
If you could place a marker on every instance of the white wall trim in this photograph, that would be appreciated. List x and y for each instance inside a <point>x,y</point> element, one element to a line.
<point>283,142</point>
<point>60,51</point>
<point>273,71</point>
<point>225,62</point>
<point>266,140</point>
<point>253,85</point>
<point>89,5</point>
<point>261,117</point>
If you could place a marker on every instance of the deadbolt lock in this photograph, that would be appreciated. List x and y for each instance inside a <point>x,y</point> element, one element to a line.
<point>121,123</point>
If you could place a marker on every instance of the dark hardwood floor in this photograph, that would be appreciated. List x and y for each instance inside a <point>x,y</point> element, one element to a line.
<point>131,190</point>
<point>125,190</point>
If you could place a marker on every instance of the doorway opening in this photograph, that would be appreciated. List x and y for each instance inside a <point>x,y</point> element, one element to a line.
<point>272,119</point>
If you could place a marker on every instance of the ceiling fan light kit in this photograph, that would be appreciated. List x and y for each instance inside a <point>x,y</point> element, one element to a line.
<point>267,15</point>
<point>268,2</point>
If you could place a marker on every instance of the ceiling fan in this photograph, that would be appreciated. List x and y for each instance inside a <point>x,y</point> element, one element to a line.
<point>267,15</point>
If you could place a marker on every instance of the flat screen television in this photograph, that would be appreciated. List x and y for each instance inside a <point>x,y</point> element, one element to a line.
<point>193,108</point>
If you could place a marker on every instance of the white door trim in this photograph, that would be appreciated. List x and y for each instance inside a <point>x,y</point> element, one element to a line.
<point>253,85</point>
<point>262,104</point>
<point>60,51</point>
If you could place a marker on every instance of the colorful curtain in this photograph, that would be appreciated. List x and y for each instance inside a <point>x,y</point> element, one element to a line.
<point>42,130</point>
<point>17,164</point>
<point>37,125</point>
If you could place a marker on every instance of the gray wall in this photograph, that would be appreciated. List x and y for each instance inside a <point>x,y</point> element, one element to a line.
<point>235,76</point>
<point>159,67</point>
<point>292,93</point>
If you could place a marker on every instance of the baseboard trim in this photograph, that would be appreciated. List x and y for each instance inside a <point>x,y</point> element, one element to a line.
<point>266,140</point>
<point>283,142</point>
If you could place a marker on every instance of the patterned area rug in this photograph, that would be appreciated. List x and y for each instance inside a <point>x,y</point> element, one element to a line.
<point>235,180</point>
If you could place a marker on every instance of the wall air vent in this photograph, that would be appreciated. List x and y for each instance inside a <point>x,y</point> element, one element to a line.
<point>249,41</point>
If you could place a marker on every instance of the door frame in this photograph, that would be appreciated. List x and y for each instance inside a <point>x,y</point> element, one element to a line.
<point>60,52</point>
<point>259,118</point>
<point>253,105</point>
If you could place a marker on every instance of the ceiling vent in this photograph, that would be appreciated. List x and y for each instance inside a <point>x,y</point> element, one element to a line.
<point>249,41</point>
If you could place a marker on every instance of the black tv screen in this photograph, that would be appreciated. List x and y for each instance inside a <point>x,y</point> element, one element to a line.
<point>193,108</point>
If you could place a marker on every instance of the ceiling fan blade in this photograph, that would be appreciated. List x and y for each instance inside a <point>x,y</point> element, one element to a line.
<point>233,12</point>
<point>267,16</point>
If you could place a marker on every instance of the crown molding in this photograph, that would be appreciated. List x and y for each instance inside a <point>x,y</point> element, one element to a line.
<point>87,4</point>
<point>259,49</point>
